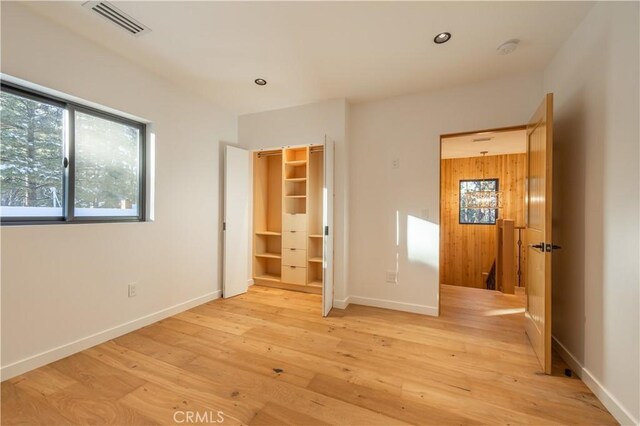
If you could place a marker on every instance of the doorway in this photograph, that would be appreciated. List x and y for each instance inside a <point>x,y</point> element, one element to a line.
<point>482,199</point>
<point>479,201</point>
<point>290,225</point>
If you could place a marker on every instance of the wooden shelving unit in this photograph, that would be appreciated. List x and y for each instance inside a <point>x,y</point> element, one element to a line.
<point>288,188</point>
<point>269,233</point>
<point>269,255</point>
<point>268,277</point>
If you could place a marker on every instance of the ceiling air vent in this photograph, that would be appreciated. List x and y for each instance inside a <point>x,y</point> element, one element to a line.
<point>118,17</point>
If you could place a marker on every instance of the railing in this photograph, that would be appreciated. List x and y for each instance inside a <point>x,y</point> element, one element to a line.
<point>505,273</point>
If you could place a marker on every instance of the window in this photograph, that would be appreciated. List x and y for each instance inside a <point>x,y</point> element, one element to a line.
<point>479,201</point>
<point>64,162</point>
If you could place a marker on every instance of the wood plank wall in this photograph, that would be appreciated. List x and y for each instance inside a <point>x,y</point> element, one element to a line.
<point>466,251</point>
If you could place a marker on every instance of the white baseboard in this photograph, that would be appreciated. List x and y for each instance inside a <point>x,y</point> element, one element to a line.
<point>250,282</point>
<point>51,355</point>
<point>609,401</point>
<point>341,304</point>
<point>397,306</point>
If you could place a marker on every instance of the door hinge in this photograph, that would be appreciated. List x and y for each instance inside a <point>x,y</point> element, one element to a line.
<point>326,230</point>
<point>224,226</point>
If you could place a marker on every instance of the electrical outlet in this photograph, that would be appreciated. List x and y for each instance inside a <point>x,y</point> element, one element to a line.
<point>133,290</point>
<point>396,163</point>
<point>392,277</point>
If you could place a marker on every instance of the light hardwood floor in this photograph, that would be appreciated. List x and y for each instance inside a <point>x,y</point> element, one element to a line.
<point>267,357</point>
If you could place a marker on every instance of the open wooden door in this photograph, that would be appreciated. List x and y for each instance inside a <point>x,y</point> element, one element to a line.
<point>327,228</point>
<point>538,220</point>
<point>235,273</point>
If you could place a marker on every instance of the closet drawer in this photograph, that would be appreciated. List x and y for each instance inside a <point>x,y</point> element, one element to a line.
<point>294,257</point>
<point>294,239</point>
<point>294,222</point>
<point>294,275</point>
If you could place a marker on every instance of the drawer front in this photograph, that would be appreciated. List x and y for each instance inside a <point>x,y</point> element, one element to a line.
<point>294,239</point>
<point>294,257</point>
<point>294,222</point>
<point>294,275</point>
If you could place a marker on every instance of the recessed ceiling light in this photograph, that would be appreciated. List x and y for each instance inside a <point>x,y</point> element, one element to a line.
<point>260,81</point>
<point>442,38</point>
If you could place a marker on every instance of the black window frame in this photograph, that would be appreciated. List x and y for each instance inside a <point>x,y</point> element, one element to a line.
<point>497,209</point>
<point>68,184</point>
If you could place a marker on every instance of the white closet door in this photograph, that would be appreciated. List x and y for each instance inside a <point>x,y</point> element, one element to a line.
<point>236,222</point>
<point>327,222</point>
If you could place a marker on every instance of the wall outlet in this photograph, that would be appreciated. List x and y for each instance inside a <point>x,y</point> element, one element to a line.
<point>396,163</point>
<point>133,290</point>
<point>392,277</point>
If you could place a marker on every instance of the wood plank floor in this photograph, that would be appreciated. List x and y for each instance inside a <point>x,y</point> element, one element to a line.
<point>268,358</point>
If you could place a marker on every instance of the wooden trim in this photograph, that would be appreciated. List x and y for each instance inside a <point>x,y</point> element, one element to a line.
<point>494,130</point>
<point>287,286</point>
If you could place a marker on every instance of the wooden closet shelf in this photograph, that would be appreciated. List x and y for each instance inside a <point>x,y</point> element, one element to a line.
<point>269,233</point>
<point>296,179</point>
<point>296,163</point>
<point>269,255</point>
<point>269,277</point>
<point>295,196</point>
<point>315,259</point>
<point>315,236</point>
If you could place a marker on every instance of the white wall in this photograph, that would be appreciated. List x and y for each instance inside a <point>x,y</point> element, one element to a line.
<point>395,212</point>
<point>594,78</point>
<point>308,124</point>
<point>62,284</point>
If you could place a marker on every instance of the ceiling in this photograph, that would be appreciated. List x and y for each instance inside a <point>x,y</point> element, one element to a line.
<point>498,143</point>
<point>312,51</point>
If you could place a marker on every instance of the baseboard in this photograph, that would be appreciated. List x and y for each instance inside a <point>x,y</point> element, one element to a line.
<point>397,306</point>
<point>250,282</point>
<point>47,357</point>
<point>609,401</point>
<point>341,304</point>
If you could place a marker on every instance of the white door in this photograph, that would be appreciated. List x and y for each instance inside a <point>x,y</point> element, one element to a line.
<point>235,272</point>
<point>327,222</point>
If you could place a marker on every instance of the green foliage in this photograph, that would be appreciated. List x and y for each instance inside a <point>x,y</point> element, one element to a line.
<point>478,201</point>
<point>106,163</point>
<point>31,152</point>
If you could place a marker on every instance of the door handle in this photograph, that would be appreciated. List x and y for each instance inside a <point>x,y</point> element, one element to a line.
<point>545,247</point>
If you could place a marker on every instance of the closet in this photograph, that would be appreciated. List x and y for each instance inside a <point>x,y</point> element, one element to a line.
<point>289,216</point>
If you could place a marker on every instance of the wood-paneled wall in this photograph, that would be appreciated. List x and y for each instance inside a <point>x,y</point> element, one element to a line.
<point>466,251</point>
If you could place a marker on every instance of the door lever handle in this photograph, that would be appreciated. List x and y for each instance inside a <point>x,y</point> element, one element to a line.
<point>539,246</point>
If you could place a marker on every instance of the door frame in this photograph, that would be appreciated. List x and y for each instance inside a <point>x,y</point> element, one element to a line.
<point>450,135</point>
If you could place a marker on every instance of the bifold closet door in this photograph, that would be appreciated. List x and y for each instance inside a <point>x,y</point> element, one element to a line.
<point>327,228</point>
<point>236,222</point>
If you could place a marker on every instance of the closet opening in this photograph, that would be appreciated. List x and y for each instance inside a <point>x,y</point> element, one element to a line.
<point>289,219</point>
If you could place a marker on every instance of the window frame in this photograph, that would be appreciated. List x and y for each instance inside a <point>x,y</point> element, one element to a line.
<point>497,209</point>
<point>68,184</point>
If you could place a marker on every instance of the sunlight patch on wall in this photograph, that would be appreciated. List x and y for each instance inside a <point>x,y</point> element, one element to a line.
<point>422,241</point>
